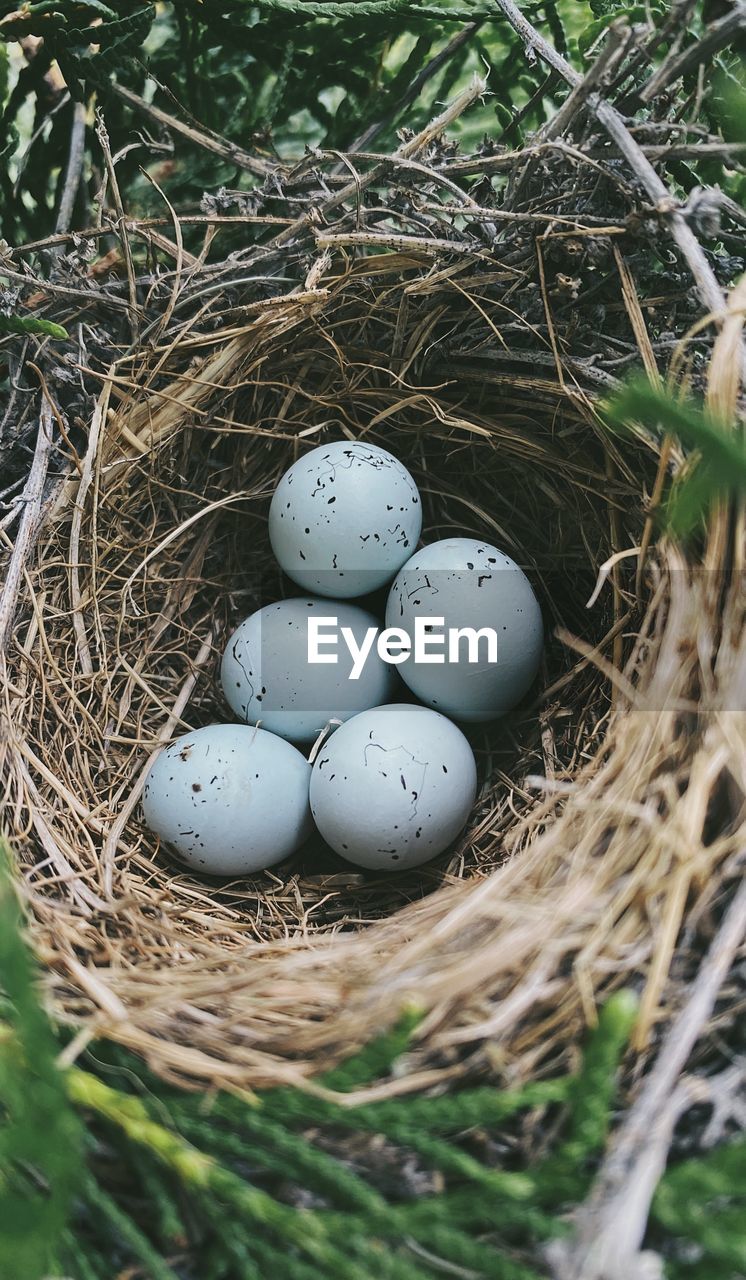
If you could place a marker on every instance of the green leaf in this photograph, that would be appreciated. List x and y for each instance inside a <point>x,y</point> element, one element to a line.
<point>30,324</point>
<point>718,464</point>
<point>377,1058</point>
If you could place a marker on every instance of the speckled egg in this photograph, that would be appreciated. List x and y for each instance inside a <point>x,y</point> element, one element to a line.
<point>344,518</point>
<point>229,800</point>
<point>393,787</point>
<point>267,676</point>
<point>468,584</point>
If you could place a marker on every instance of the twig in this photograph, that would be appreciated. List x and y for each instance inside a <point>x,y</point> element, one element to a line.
<point>718,36</point>
<point>80,296</point>
<point>103,138</point>
<point>226,150</point>
<point>504,161</point>
<point>138,226</point>
<point>707,286</point>
<point>73,170</point>
<point>680,151</point>
<point>29,525</point>
<point>598,226</point>
<point>611,1223</point>
<point>668,32</point>
<point>97,424</point>
<point>616,39</point>
<point>393,240</point>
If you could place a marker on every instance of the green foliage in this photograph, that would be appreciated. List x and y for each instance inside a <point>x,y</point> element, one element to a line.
<point>30,324</point>
<point>375,1059</point>
<point>718,463</point>
<point>40,1133</point>
<point>316,73</point>
<point>704,1199</point>
<point>592,1092</point>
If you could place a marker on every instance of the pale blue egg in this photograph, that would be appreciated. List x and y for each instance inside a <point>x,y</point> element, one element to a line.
<point>268,674</point>
<point>229,800</point>
<point>393,787</point>
<point>470,585</point>
<point>344,519</point>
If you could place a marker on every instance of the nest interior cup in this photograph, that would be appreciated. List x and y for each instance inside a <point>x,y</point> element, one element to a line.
<point>158,547</point>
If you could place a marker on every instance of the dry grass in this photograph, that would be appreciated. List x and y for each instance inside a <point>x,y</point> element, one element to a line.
<point>611,808</point>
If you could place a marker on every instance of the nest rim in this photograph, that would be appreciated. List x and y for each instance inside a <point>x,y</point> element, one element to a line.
<point>241,1006</point>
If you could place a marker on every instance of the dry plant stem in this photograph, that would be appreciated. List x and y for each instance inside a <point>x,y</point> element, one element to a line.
<point>718,36</point>
<point>110,301</point>
<point>707,286</point>
<point>85,899</point>
<point>616,39</point>
<point>103,139</point>
<point>86,479</point>
<point>730,151</point>
<point>226,150</point>
<point>141,225</point>
<point>723,388</point>
<point>637,320</point>
<point>74,169</point>
<point>503,162</point>
<point>611,1224</point>
<point>389,240</point>
<point>28,529</point>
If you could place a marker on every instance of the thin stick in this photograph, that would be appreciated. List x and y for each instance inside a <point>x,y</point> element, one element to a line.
<point>79,296</point>
<point>103,138</point>
<point>406,151</point>
<point>86,478</point>
<point>226,150</point>
<point>393,240</point>
<point>616,38</point>
<point>73,171</point>
<point>420,80</point>
<point>140,225</point>
<point>30,523</point>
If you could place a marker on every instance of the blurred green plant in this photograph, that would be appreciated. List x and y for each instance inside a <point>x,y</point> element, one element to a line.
<point>107,1167</point>
<point>41,1137</point>
<point>716,467</point>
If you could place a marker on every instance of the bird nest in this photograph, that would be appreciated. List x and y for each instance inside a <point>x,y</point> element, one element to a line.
<point>472,329</point>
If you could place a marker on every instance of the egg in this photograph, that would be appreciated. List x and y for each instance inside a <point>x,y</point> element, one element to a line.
<point>393,787</point>
<point>267,675</point>
<point>344,519</point>
<point>229,800</point>
<point>468,584</point>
